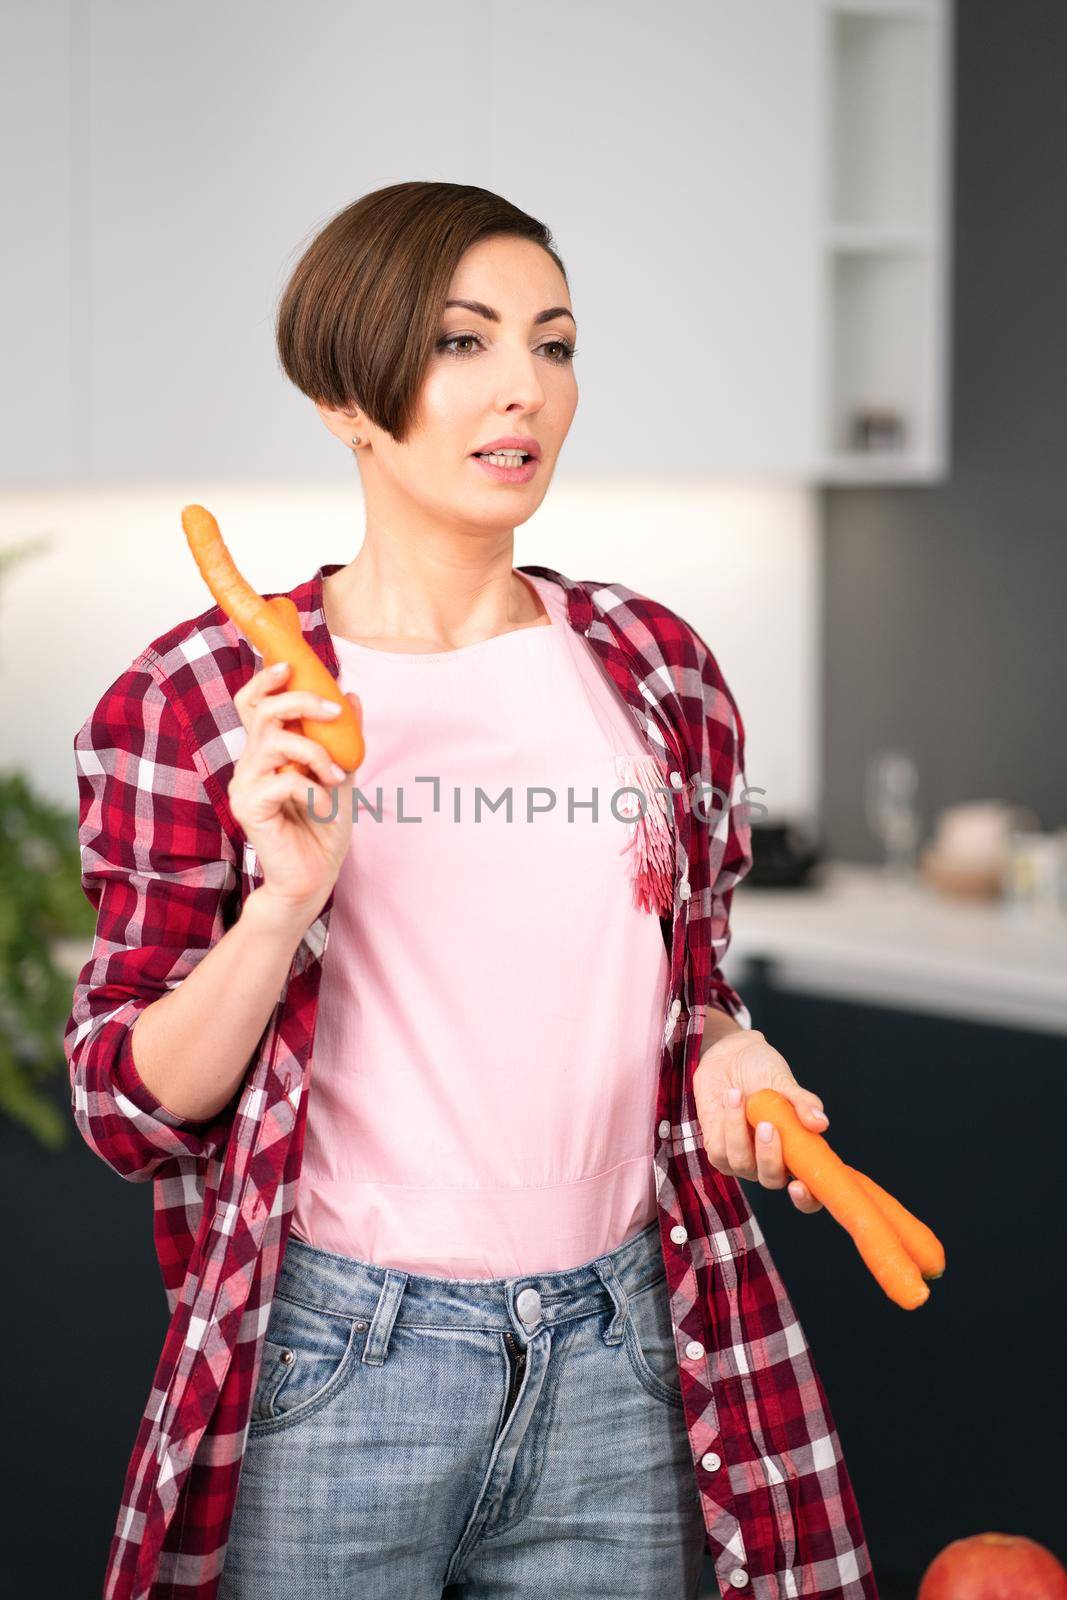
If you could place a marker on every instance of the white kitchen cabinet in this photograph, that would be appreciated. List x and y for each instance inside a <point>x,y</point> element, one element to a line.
<point>220,143</point>
<point>751,211</point>
<point>40,364</point>
<point>673,151</point>
<point>886,239</point>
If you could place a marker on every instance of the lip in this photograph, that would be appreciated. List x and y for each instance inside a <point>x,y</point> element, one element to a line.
<point>521,474</point>
<point>513,441</point>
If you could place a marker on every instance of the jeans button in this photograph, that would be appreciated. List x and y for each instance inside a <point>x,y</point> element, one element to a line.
<point>528,1305</point>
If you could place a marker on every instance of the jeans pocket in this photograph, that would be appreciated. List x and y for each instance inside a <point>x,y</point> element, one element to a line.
<point>309,1356</point>
<point>650,1342</point>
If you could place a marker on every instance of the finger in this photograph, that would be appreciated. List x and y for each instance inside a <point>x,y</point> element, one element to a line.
<point>803,1198</point>
<point>709,1105</point>
<point>808,1107</point>
<point>266,678</point>
<point>738,1136</point>
<point>261,683</point>
<point>713,1129</point>
<point>770,1164</point>
<point>807,1104</point>
<point>263,690</point>
<point>278,745</point>
<point>290,705</point>
<point>313,803</point>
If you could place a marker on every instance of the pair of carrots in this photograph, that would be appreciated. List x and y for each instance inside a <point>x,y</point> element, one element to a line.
<point>273,626</point>
<point>900,1251</point>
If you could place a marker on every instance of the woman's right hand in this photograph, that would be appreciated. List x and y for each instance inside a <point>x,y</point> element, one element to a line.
<point>279,811</point>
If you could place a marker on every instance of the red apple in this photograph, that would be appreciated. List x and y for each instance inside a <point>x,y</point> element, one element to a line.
<point>994,1566</point>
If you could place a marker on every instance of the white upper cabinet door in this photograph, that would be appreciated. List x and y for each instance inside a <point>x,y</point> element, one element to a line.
<point>222,138</point>
<point>43,325</point>
<point>672,150</point>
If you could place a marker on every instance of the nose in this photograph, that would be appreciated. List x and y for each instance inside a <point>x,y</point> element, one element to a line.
<point>521,383</point>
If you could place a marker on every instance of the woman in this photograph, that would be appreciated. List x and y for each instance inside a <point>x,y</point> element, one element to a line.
<point>466,1297</point>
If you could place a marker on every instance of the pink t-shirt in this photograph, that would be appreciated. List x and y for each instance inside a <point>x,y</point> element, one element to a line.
<point>491,1011</point>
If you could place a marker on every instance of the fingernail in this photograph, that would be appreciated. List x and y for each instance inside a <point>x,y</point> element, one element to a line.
<point>820,1116</point>
<point>279,666</point>
<point>765,1131</point>
<point>329,708</point>
<point>338,772</point>
<point>734,1097</point>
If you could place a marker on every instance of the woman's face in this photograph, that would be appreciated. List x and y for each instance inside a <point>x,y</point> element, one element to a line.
<point>490,377</point>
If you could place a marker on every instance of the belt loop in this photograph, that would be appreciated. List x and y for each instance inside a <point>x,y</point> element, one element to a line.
<point>377,1343</point>
<point>605,1270</point>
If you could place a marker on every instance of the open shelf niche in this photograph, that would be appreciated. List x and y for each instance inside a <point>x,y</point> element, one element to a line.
<point>886,239</point>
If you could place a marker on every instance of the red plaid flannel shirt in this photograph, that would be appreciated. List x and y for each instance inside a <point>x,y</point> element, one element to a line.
<point>167,868</point>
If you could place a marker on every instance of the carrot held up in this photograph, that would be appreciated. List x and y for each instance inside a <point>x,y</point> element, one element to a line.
<point>273,627</point>
<point>899,1250</point>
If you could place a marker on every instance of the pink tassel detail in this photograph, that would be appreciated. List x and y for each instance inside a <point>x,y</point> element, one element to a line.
<point>650,840</point>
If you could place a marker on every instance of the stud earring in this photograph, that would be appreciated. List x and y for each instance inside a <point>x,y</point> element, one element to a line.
<point>356,439</point>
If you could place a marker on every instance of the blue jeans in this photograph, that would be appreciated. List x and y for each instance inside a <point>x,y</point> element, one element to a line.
<point>492,1437</point>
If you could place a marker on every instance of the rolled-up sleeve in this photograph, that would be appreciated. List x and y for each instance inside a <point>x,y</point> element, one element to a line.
<point>160,871</point>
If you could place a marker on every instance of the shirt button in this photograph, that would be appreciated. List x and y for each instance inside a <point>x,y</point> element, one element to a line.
<point>694,1349</point>
<point>676,1010</point>
<point>679,1235</point>
<point>684,889</point>
<point>711,1461</point>
<point>676,780</point>
<point>739,1577</point>
<point>664,1128</point>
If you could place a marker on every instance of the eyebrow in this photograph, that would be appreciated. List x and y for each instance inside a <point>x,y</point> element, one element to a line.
<point>482,310</point>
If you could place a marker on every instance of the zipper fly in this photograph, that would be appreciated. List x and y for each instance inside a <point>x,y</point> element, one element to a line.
<point>517,1367</point>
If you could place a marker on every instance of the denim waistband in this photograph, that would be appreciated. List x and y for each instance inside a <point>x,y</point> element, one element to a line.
<point>343,1284</point>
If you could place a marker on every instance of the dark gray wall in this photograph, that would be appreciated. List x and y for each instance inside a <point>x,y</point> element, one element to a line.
<point>945,604</point>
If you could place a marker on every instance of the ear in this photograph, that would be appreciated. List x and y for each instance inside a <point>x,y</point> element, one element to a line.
<point>342,424</point>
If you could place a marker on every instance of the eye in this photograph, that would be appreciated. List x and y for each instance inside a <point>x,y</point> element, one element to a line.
<point>456,338</point>
<point>568,350</point>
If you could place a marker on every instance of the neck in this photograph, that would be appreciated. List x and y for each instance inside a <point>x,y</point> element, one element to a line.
<point>433,595</point>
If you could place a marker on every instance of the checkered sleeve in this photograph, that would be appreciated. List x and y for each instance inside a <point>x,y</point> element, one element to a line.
<point>159,870</point>
<point>728,822</point>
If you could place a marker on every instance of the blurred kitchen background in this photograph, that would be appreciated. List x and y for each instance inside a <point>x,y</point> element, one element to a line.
<point>817,251</point>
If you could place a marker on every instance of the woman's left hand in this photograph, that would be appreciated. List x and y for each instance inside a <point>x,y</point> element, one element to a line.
<point>734,1067</point>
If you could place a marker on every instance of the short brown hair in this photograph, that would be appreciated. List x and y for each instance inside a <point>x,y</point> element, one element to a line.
<point>359,318</point>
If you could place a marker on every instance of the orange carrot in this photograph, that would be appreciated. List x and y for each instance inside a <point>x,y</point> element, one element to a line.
<point>273,627</point>
<point>809,1157</point>
<point>288,613</point>
<point>290,616</point>
<point>921,1242</point>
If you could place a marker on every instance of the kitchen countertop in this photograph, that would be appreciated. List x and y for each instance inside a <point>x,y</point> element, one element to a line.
<point>859,935</point>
